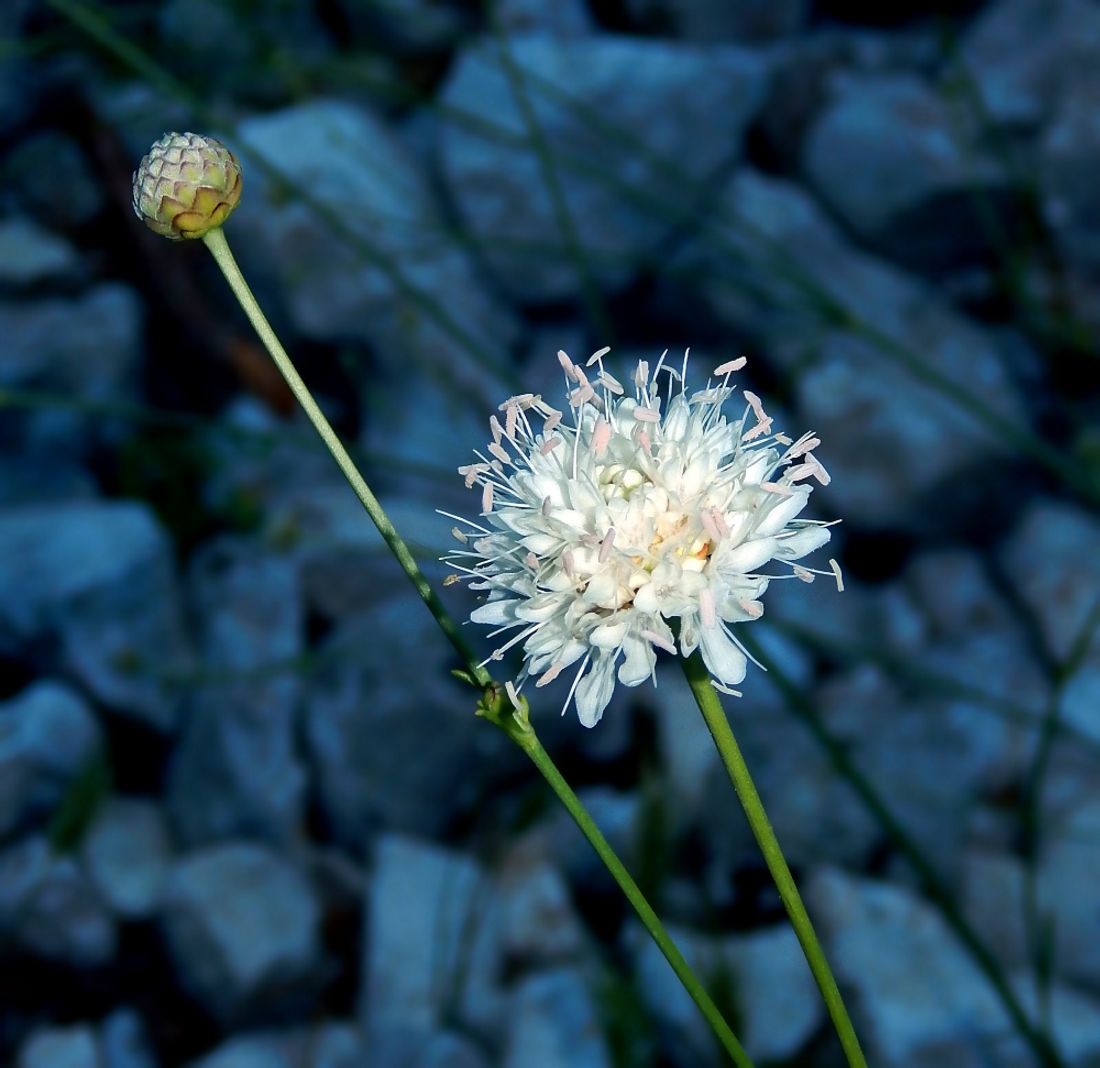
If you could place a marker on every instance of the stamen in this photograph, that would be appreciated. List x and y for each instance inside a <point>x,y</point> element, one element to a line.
<point>487,499</point>
<point>601,436</point>
<point>510,422</point>
<point>605,545</point>
<point>777,487</point>
<point>730,366</point>
<point>532,561</point>
<point>596,356</point>
<point>646,415</point>
<point>641,375</point>
<point>655,639</point>
<point>552,443</point>
<point>494,426</point>
<point>567,365</point>
<point>837,575</point>
<point>510,690</point>
<point>551,673</point>
<point>552,421</point>
<point>460,535</point>
<point>567,563</point>
<point>802,573</point>
<point>753,608</point>
<point>546,505</point>
<point>499,452</point>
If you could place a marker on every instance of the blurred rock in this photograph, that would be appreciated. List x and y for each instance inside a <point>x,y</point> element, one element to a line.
<point>892,436</point>
<point>413,1049</point>
<point>1067,162</point>
<point>374,262</point>
<point>678,113</point>
<point>425,904</point>
<point>1021,54</point>
<point>553,1024</point>
<point>563,18</point>
<point>408,25</point>
<point>905,172</point>
<point>48,735</point>
<point>1051,561</point>
<point>30,254</point>
<point>993,900</point>
<point>618,816</point>
<point>327,1045</point>
<point>50,908</point>
<point>86,348</point>
<point>61,1047</point>
<point>242,925</point>
<point>707,21</point>
<point>42,479</point>
<point>236,772</point>
<point>123,1041</point>
<point>99,578</point>
<point>49,174</point>
<point>777,1002</point>
<point>19,75</point>
<point>127,852</point>
<point>392,737</point>
<point>918,994</point>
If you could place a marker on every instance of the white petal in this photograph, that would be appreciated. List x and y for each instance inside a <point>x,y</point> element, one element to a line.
<point>783,512</point>
<point>724,660</point>
<point>609,635</point>
<point>495,613</point>
<point>595,690</point>
<point>805,541</point>
<point>748,556</point>
<point>639,663</point>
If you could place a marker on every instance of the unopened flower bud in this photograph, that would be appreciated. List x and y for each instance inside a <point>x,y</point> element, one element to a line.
<point>186,186</point>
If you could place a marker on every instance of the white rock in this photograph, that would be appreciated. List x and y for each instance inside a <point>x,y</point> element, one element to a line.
<point>553,1024</point>
<point>48,735</point>
<point>236,772</point>
<point>61,1047</point>
<point>540,925</point>
<point>889,436</point>
<point>401,283</point>
<point>49,906</point>
<point>127,852</point>
<point>424,903</point>
<point>242,926</point>
<point>99,576</point>
<point>685,106</point>
<point>892,159</point>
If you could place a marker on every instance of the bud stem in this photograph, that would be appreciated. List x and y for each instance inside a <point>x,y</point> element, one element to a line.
<point>215,241</point>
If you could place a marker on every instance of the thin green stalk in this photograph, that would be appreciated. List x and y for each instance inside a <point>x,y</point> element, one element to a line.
<point>707,699</point>
<point>219,248</point>
<point>498,709</point>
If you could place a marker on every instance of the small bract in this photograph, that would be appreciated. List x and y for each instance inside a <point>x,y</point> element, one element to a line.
<point>186,186</point>
<point>597,532</point>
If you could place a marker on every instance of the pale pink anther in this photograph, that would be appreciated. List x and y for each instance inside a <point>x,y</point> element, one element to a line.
<point>495,427</point>
<point>532,561</point>
<point>655,639</point>
<point>510,417</point>
<point>709,525</point>
<point>707,611</point>
<point>552,421</point>
<point>601,436</point>
<point>460,535</point>
<point>567,563</point>
<point>609,382</point>
<point>837,575</point>
<point>549,444</point>
<point>597,356</point>
<point>550,674</point>
<point>730,366</point>
<point>499,452</point>
<point>805,444</point>
<point>646,415</point>
<point>510,690</point>
<point>487,499</point>
<point>777,487</point>
<point>642,438</point>
<point>752,608</point>
<point>802,573</point>
<point>581,395</point>
<point>641,375</point>
<point>567,365</point>
<point>605,545</point>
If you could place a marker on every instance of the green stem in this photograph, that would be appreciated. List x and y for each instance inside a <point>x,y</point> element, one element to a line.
<point>705,696</point>
<point>219,248</point>
<point>515,723</point>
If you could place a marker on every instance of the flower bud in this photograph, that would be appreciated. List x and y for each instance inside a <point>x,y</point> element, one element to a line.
<point>186,186</point>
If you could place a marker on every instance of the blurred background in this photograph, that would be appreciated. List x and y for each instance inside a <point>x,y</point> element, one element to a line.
<point>248,820</point>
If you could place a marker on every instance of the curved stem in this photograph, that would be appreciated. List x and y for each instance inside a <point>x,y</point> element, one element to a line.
<point>515,723</point>
<point>707,699</point>
<point>219,248</point>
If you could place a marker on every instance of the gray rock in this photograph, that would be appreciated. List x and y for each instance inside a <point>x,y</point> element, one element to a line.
<point>1067,157</point>
<point>678,107</point>
<point>50,908</point>
<point>44,479</point>
<point>553,1024</point>
<point>898,166</point>
<point>31,254</point>
<point>127,852</point>
<point>87,347</point>
<point>328,1045</point>
<point>123,1041</point>
<point>389,275</point>
<point>777,1002</point>
<point>392,737</point>
<point>242,925</point>
<point>993,899</point>
<point>236,772</point>
<point>61,1047</point>
<point>247,1052</point>
<point>424,904</point>
<point>48,735</point>
<point>1051,561</point>
<point>50,175</point>
<point>917,993</point>
<point>891,435</point>
<point>98,578</point>
<point>414,1049</point>
<point>707,21</point>
<point>409,25</point>
<point>565,18</point>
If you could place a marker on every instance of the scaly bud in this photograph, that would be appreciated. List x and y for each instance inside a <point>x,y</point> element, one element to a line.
<point>186,186</point>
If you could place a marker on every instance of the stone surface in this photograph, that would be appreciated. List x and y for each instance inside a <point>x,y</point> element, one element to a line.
<point>892,438</point>
<point>389,275</point>
<point>708,21</point>
<point>242,926</point>
<point>98,578</point>
<point>553,1024</point>
<point>48,735</point>
<point>679,108</point>
<point>127,852</point>
<point>329,1044</point>
<point>236,771</point>
<point>392,737</point>
<point>50,908</point>
<point>415,1049</point>
<point>123,1041</point>
<point>424,906</point>
<point>893,159</point>
<point>30,254</point>
<point>61,1047</point>
<point>564,18</point>
<point>50,174</point>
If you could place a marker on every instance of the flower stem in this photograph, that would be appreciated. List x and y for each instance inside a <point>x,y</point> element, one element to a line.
<point>515,723</point>
<point>705,696</point>
<point>215,241</point>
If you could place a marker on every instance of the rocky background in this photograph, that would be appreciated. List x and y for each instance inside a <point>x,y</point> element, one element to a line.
<point>247,819</point>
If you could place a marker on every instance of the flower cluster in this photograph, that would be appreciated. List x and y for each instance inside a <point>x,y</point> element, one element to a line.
<point>595,535</point>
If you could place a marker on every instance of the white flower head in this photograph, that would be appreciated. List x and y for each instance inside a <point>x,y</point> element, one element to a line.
<point>593,536</point>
